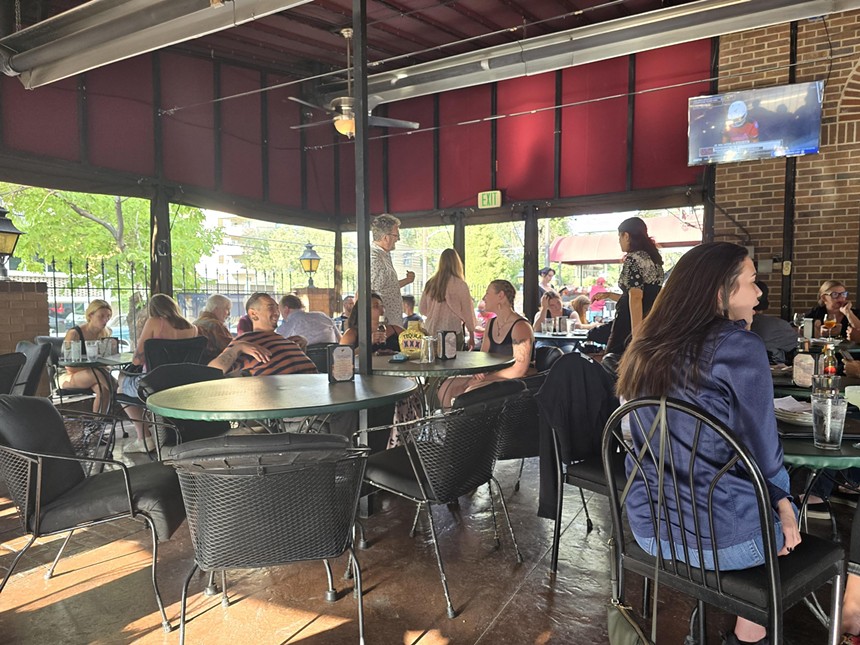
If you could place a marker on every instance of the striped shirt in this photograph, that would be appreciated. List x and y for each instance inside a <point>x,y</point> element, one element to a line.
<point>287,357</point>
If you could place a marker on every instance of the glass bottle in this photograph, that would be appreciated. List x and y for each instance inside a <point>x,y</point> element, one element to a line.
<point>828,365</point>
<point>803,366</point>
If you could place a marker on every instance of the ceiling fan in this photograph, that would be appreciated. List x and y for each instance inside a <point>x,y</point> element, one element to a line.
<point>342,108</point>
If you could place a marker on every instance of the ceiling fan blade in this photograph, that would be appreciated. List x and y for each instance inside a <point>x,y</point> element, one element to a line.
<point>385,122</point>
<point>309,125</point>
<point>310,105</point>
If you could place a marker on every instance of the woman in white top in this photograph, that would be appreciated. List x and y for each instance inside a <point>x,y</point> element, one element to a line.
<point>446,302</point>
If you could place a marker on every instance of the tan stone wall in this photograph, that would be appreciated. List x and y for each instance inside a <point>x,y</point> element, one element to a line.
<point>827,198</point>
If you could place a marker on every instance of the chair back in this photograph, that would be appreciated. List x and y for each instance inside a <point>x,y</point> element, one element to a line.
<point>679,440</point>
<point>263,500</point>
<point>318,353</point>
<point>33,424</point>
<point>37,358</point>
<point>10,367</point>
<point>546,356</point>
<point>456,451</point>
<point>168,376</point>
<point>161,351</point>
<point>518,416</point>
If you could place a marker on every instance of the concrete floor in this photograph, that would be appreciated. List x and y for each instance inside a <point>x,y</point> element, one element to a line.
<point>101,591</point>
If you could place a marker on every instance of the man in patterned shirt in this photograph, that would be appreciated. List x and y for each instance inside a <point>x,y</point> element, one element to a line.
<point>262,352</point>
<point>383,277</point>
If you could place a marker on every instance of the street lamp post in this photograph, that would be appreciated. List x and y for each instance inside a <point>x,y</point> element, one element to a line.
<point>310,262</point>
<point>8,240</point>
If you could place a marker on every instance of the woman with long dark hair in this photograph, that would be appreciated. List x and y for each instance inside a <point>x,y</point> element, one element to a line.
<point>640,281</point>
<point>695,346</point>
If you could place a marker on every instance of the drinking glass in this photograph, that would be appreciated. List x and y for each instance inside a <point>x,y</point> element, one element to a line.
<point>546,326</point>
<point>571,326</point>
<point>797,321</point>
<point>828,323</point>
<point>92,350</point>
<point>852,395</point>
<point>828,421</point>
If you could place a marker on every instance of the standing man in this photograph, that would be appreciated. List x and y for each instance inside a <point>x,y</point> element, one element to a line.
<point>383,277</point>
<point>313,326</point>
<point>211,324</point>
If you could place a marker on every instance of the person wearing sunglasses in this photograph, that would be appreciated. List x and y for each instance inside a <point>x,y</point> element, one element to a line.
<point>833,301</point>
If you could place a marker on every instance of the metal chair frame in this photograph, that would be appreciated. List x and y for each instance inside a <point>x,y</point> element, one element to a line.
<point>37,358</point>
<point>10,367</point>
<point>195,475</point>
<point>417,436</point>
<point>712,586</point>
<point>30,464</point>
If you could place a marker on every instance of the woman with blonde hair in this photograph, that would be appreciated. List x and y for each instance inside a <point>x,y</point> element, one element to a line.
<point>97,315</point>
<point>833,301</point>
<point>165,321</point>
<point>580,306</point>
<point>446,302</point>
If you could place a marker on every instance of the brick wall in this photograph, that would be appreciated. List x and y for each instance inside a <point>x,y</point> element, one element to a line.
<point>827,196</point>
<point>23,315</point>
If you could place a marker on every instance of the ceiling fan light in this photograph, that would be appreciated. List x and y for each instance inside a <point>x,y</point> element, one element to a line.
<point>345,125</point>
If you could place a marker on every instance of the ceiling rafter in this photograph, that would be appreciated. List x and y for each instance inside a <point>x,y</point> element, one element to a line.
<point>531,19</point>
<point>422,18</point>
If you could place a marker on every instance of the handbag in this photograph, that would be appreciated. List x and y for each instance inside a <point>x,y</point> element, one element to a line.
<point>623,628</point>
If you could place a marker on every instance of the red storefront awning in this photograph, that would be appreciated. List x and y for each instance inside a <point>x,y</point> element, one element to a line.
<point>603,248</point>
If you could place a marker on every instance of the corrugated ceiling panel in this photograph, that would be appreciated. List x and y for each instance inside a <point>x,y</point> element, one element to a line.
<point>465,149</point>
<point>410,157</point>
<point>43,121</point>
<point>241,134</point>
<point>285,156</point>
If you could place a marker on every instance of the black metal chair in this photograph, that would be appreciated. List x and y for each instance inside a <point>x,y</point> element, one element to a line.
<point>47,483</point>
<point>161,351</point>
<point>62,395</point>
<point>37,358</point>
<point>662,432</point>
<point>10,367</point>
<point>171,432</point>
<point>440,459</point>
<point>318,353</point>
<point>266,500</point>
<point>518,418</point>
<point>570,426</point>
<point>546,356</point>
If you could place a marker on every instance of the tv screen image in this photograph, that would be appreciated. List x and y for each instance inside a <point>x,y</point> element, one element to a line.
<point>781,121</point>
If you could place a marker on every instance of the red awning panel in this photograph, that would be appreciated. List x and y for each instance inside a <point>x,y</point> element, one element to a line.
<point>603,248</point>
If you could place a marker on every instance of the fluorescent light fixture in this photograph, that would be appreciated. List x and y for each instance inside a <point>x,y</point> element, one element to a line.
<point>100,32</point>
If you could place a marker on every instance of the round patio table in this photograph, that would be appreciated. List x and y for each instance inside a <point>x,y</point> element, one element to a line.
<point>102,376</point>
<point>430,375</point>
<point>276,397</point>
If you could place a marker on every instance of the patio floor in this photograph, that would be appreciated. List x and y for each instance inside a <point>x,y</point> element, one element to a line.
<point>101,591</point>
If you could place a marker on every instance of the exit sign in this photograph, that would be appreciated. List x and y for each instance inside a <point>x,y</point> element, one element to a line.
<point>490,199</point>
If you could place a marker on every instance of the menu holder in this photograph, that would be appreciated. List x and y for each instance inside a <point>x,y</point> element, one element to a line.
<point>341,364</point>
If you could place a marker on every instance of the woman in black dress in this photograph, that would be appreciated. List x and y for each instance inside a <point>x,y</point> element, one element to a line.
<point>640,281</point>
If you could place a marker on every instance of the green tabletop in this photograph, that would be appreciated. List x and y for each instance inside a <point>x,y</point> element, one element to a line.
<point>802,452</point>
<point>276,397</point>
<point>465,363</point>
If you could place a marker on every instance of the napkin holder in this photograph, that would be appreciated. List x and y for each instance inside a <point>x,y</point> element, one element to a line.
<point>446,346</point>
<point>341,364</point>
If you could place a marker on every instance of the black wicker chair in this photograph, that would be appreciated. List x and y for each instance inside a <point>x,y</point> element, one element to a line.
<point>440,459</point>
<point>62,395</point>
<point>266,500</point>
<point>662,433</point>
<point>31,374</point>
<point>171,432</point>
<point>48,485</point>
<point>10,367</point>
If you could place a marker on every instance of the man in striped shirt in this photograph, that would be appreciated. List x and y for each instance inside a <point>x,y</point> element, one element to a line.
<point>262,352</point>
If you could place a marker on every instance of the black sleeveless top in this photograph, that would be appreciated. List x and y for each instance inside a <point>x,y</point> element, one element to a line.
<point>506,346</point>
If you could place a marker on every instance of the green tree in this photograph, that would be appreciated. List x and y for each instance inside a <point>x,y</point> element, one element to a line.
<point>89,229</point>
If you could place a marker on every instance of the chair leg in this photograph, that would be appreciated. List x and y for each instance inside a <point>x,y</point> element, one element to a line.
<point>703,636</point>
<point>225,601</point>
<point>211,588</point>
<point>331,593</point>
<point>15,562</point>
<point>362,538</point>
<point>589,525</point>
<point>519,475</point>
<point>183,602</point>
<point>50,572</point>
<point>358,594</point>
<point>493,513</point>
<point>838,588</point>
<point>415,521</point>
<point>646,596</point>
<point>451,612</point>
<point>559,501</point>
<point>164,622</point>
<point>507,517</point>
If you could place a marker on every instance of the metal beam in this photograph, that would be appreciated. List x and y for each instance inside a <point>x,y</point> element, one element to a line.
<point>601,41</point>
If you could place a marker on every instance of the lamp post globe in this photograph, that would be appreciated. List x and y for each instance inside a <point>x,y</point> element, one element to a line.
<point>310,262</point>
<point>8,240</point>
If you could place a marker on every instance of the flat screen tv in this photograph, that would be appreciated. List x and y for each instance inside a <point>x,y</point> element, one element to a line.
<point>764,123</point>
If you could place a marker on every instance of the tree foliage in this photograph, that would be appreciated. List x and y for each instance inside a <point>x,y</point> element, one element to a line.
<point>89,230</point>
